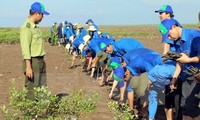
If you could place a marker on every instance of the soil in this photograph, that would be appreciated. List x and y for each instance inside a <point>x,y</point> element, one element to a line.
<point>60,78</point>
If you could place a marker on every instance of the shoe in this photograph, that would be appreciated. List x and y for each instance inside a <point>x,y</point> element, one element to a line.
<point>85,70</point>
<point>71,67</point>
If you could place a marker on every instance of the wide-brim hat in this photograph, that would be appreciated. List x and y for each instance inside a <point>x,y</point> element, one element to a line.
<point>86,38</point>
<point>81,46</point>
<point>92,28</point>
<point>139,84</point>
<point>102,56</point>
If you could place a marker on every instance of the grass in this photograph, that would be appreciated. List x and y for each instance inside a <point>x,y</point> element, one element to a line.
<point>11,35</point>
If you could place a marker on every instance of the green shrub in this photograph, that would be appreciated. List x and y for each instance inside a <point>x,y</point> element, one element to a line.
<point>48,106</point>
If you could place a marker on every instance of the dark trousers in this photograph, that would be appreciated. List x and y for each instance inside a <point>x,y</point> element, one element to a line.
<point>190,98</point>
<point>39,76</point>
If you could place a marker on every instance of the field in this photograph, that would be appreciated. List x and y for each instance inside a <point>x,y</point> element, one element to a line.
<point>60,79</point>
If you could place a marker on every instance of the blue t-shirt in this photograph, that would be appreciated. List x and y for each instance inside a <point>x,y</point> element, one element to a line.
<point>77,42</point>
<point>137,52</point>
<point>81,34</point>
<point>143,63</point>
<point>190,44</point>
<point>124,45</point>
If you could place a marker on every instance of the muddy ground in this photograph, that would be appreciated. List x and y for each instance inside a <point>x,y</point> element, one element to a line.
<point>60,78</point>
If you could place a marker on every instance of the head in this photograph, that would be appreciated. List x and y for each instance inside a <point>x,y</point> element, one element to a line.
<point>123,62</point>
<point>106,47</point>
<point>127,74</point>
<point>109,49</point>
<point>170,29</point>
<point>99,34</point>
<point>89,22</point>
<point>165,12</point>
<point>37,11</point>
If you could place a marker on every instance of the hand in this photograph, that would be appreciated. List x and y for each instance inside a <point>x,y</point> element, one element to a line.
<point>197,77</point>
<point>149,84</point>
<point>110,95</point>
<point>29,73</point>
<point>109,77</point>
<point>172,87</point>
<point>183,59</point>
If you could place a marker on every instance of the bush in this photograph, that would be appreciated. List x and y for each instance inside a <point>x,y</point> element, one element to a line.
<point>48,106</point>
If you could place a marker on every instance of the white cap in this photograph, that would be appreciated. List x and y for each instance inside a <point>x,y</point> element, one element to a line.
<point>98,32</point>
<point>86,38</point>
<point>92,28</point>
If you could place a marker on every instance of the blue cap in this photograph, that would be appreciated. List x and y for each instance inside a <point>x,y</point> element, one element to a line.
<point>104,44</point>
<point>114,62</point>
<point>165,26</point>
<point>38,7</point>
<point>165,8</point>
<point>89,20</point>
<point>118,74</point>
<point>66,22</point>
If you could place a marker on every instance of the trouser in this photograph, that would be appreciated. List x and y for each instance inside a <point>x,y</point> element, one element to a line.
<point>190,101</point>
<point>39,76</point>
<point>53,39</point>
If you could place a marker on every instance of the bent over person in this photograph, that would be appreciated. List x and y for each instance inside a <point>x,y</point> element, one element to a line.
<point>32,45</point>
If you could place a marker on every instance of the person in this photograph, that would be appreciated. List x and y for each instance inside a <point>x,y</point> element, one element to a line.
<point>121,46</point>
<point>188,39</point>
<point>166,12</point>
<point>93,32</point>
<point>105,35</point>
<point>91,23</point>
<point>60,35</point>
<point>33,52</point>
<point>54,33</point>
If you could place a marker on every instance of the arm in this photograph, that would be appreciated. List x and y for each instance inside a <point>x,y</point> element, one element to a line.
<point>175,76</point>
<point>186,59</point>
<point>29,71</point>
<point>166,48</point>
<point>112,89</point>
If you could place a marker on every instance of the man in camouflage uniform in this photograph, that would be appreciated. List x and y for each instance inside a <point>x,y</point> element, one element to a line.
<point>32,45</point>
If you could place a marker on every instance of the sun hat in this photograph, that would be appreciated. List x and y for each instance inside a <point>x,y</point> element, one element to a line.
<point>89,20</point>
<point>92,28</point>
<point>79,26</point>
<point>67,46</point>
<point>38,7</point>
<point>139,84</point>
<point>165,8</point>
<point>86,38</point>
<point>118,74</point>
<point>81,46</point>
<point>165,26</point>
<point>102,56</point>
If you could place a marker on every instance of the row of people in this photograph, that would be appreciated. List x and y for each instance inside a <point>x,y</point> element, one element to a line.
<point>127,58</point>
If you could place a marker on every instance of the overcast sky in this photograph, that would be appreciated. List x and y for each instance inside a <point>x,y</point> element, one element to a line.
<point>103,12</point>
